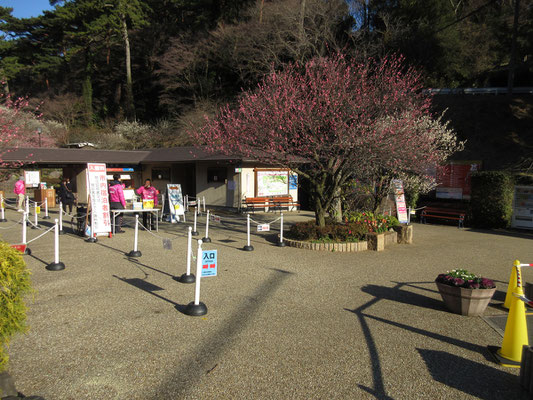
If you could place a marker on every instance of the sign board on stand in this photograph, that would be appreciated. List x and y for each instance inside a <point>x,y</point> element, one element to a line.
<point>400,201</point>
<point>97,184</point>
<point>175,201</point>
<point>32,178</point>
<point>263,228</point>
<point>209,263</point>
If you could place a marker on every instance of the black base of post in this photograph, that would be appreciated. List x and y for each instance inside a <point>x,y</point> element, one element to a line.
<point>89,240</point>
<point>196,310</point>
<point>3,220</point>
<point>281,244</point>
<point>206,240</point>
<point>27,251</point>
<point>46,217</point>
<point>185,278</point>
<point>248,248</point>
<point>55,266</point>
<point>62,232</point>
<point>194,233</point>
<point>134,253</point>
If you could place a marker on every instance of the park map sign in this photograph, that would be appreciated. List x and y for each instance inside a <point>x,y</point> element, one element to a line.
<point>272,182</point>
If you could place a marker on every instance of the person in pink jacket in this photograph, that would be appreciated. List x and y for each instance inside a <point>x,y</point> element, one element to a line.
<point>20,191</point>
<point>117,201</point>
<point>148,192</point>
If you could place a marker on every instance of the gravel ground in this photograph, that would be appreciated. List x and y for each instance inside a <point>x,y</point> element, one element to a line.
<point>282,323</point>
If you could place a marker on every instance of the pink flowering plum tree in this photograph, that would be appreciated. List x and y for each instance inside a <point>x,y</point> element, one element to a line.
<point>332,120</point>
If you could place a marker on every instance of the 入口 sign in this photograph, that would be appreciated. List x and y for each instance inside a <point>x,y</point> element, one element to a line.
<point>209,263</point>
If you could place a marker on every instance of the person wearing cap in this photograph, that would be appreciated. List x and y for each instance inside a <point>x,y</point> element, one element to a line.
<point>117,201</point>
<point>20,191</point>
<point>149,193</point>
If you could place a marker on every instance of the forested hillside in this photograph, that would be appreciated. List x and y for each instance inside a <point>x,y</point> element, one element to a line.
<point>136,73</point>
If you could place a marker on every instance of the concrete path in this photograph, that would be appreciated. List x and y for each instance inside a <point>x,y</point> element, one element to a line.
<point>283,323</point>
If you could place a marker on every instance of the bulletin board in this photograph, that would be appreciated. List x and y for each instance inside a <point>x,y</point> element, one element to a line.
<point>271,182</point>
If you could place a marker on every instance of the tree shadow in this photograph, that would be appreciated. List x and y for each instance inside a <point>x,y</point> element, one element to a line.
<point>211,350</point>
<point>150,289</point>
<point>403,296</point>
<point>470,377</point>
<point>504,232</point>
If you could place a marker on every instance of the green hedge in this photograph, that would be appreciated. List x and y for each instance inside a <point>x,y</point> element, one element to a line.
<point>492,199</point>
<point>14,285</point>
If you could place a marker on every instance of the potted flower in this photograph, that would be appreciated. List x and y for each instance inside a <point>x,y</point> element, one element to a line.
<point>465,293</point>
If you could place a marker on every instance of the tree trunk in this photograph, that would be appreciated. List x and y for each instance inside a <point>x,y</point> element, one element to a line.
<point>337,206</point>
<point>130,108</point>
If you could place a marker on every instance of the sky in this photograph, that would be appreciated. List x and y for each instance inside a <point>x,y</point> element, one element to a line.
<point>26,8</point>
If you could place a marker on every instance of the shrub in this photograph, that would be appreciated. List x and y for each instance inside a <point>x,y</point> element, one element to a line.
<point>373,222</point>
<point>492,199</point>
<point>14,285</point>
<point>309,231</point>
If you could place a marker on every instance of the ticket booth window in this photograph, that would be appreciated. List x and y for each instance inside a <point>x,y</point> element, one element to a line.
<point>217,175</point>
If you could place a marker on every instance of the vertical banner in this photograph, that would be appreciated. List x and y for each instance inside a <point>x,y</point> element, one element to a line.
<point>97,184</point>
<point>175,202</point>
<point>400,201</point>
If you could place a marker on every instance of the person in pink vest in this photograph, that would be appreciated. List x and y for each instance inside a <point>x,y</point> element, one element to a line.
<point>117,201</point>
<point>20,191</point>
<point>148,192</point>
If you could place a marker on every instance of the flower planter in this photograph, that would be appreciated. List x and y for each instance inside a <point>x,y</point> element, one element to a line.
<point>470,302</point>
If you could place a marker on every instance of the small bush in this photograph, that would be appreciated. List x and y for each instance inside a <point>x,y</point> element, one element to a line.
<point>492,199</point>
<point>14,285</point>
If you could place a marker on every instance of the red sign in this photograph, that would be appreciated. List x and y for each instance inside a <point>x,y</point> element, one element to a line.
<point>19,247</point>
<point>457,175</point>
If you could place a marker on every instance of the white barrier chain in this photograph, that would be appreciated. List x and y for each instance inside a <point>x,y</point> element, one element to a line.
<point>40,236</point>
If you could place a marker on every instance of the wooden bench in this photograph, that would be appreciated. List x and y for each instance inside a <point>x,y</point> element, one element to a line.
<point>443,213</point>
<point>284,201</point>
<point>256,202</point>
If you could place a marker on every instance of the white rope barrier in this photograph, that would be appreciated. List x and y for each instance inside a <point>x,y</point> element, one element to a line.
<point>207,239</point>
<point>40,236</point>
<point>56,265</point>
<point>195,232</point>
<point>135,252</point>
<point>11,226</point>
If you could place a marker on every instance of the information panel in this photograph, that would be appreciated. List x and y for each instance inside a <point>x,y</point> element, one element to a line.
<point>97,184</point>
<point>272,182</point>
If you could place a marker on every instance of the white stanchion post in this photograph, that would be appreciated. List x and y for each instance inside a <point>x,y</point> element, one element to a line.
<point>248,246</point>
<point>24,233</point>
<point>46,216</point>
<point>206,239</point>
<point>195,232</point>
<point>135,252</point>
<point>198,204</point>
<point>281,243</point>
<point>61,218</point>
<point>203,198</point>
<point>35,218</point>
<point>188,277</point>
<point>56,265</point>
<point>3,216</point>
<point>197,308</point>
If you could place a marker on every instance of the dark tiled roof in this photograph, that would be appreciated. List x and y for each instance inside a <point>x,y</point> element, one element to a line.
<point>81,156</point>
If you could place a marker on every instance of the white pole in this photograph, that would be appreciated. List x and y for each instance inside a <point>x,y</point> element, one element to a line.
<point>204,203</point>
<point>281,229</point>
<point>207,225</point>
<point>195,217</point>
<point>60,216</point>
<point>36,222</point>
<point>27,205</point>
<point>198,204</point>
<point>248,229</point>
<point>56,242</point>
<point>136,232</point>
<point>198,273</point>
<point>189,251</point>
<point>46,207</point>
<point>24,227</point>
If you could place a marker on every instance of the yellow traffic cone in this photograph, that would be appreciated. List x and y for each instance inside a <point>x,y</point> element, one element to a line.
<point>515,336</point>
<point>512,285</point>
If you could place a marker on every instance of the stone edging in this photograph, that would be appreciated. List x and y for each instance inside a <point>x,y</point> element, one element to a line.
<point>341,247</point>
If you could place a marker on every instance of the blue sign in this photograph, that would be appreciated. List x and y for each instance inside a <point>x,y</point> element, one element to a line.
<point>209,263</point>
<point>293,181</point>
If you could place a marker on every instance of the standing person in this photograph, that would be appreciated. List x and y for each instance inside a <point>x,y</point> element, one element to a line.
<point>66,195</point>
<point>20,191</point>
<point>117,201</point>
<point>148,192</point>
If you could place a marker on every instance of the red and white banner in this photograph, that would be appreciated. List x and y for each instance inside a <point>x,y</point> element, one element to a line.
<point>97,184</point>
<point>400,201</point>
